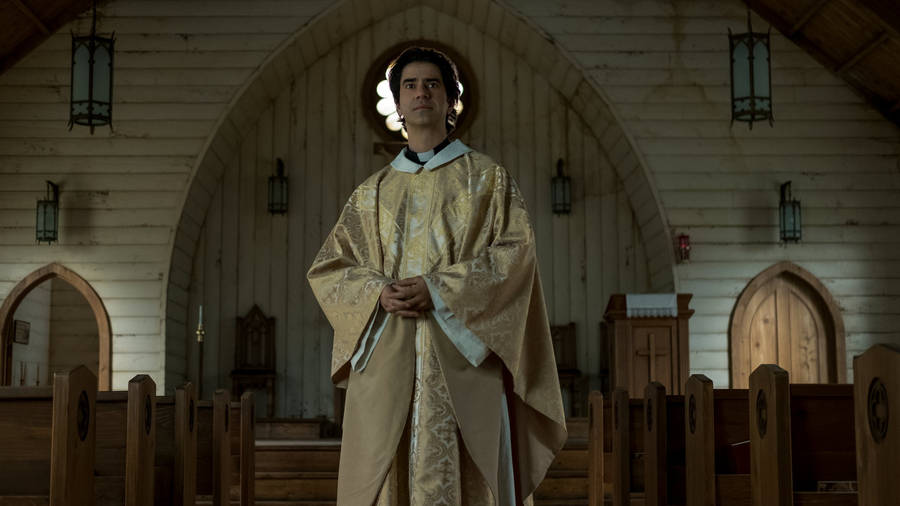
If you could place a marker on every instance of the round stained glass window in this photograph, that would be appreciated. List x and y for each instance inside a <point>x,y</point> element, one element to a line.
<point>378,101</point>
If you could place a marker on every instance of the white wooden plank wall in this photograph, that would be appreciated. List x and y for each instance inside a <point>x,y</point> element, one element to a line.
<point>178,64</point>
<point>318,129</point>
<point>664,66</point>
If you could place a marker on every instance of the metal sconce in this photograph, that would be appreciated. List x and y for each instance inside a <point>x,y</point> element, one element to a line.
<point>90,103</point>
<point>278,190</point>
<point>751,75</point>
<point>561,187</point>
<point>47,222</point>
<point>683,248</point>
<point>789,215</point>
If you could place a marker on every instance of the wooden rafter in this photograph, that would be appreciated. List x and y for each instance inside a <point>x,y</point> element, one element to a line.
<point>884,11</point>
<point>31,15</point>
<point>806,17</point>
<point>868,48</point>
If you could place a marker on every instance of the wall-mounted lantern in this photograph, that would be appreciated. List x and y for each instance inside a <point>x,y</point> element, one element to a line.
<point>561,187</point>
<point>683,248</point>
<point>751,75</point>
<point>47,223</point>
<point>278,190</point>
<point>789,215</point>
<point>92,79</point>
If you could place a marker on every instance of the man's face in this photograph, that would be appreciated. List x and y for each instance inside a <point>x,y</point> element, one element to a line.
<point>423,98</point>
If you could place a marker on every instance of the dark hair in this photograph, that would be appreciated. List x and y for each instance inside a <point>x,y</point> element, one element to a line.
<point>449,76</point>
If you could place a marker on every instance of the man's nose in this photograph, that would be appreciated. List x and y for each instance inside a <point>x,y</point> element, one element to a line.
<point>423,91</point>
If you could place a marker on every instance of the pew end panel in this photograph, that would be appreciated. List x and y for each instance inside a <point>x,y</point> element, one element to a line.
<point>595,449</point>
<point>140,446</point>
<point>700,452</point>
<point>184,474</point>
<point>877,411</point>
<point>770,432</point>
<point>248,448</point>
<point>221,447</point>
<point>73,437</point>
<point>655,454</point>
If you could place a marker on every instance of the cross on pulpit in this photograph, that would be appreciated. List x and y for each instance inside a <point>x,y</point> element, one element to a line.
<point>647,348</point>
<point>652,351</point>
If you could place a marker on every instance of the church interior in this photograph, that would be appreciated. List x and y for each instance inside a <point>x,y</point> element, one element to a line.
<point>714,188</point>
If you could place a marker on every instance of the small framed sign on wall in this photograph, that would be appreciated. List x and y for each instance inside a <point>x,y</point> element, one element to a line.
<point>21,331</point>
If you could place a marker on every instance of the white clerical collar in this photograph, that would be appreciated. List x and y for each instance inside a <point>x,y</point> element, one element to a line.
<point>453,151</point>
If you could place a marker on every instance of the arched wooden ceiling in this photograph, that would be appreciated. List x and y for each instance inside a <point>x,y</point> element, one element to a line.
<point>858,40</point>
<point>24,24</point>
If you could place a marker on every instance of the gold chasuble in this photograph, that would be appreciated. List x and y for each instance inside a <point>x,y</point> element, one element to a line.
<point>461,406</point>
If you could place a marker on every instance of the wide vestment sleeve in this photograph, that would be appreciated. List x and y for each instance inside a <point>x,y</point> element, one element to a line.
<point>347,275</point>
<point>496,294</point>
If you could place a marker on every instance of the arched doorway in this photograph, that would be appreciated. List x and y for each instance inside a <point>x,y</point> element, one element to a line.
<point>786,316</point>
<point>19,293</point>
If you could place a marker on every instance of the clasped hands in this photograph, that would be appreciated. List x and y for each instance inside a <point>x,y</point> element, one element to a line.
<point>408,297</point>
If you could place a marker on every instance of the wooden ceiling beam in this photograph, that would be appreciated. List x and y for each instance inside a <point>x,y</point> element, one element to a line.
<point>806,17</point>
<point>862,53</point>
<point>885,11</point>
<point>30,15</point>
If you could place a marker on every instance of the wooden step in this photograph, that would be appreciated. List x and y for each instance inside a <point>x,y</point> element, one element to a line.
<point>290,428</point>
<point>295,486</point>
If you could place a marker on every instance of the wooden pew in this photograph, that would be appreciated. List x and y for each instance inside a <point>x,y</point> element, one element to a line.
<point>876,390</point>
<point>595,449</point>
<point>47,441</point>
<point>807,442</point>
<point>247,453</point>
<point>126,444</point>
<point>807,424</point>
<point>214,449</point>
<point>221,450</point>
<point>717,437</point>
<point>664,447</point>
<point>184,463</point>
<point>171,458</point>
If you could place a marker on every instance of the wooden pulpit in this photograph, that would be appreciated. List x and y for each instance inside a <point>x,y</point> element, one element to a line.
<point>645,349</point>
<point>254,357</point>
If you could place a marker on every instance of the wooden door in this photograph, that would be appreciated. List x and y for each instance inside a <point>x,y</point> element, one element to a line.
<point>782,318</point>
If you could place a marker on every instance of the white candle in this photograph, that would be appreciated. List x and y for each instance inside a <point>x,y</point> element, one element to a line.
<point>201,314</point>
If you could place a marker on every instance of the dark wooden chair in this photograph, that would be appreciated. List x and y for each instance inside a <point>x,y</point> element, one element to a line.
<point>254,357</point>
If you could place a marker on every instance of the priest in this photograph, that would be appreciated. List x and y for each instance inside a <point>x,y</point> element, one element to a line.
<point>441,338</point>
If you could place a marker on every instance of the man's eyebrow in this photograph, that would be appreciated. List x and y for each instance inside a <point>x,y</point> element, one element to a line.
<point>427,79</point>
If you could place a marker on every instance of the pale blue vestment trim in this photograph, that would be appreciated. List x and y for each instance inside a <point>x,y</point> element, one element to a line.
<point>453,151</point>
<point>466,342</point>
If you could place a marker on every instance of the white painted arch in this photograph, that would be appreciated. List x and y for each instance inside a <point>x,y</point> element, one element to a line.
<point>491,19</point>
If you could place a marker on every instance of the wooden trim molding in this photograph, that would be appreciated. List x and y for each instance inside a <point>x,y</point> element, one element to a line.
<point>21,290</point>
<point>742,310</point>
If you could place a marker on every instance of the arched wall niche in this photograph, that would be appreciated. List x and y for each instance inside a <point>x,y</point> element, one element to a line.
<point>451,23</point>
<point>790,283</point>
<point>21,290</point>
